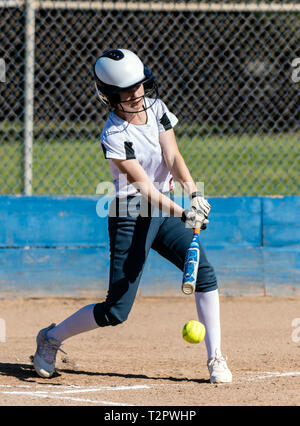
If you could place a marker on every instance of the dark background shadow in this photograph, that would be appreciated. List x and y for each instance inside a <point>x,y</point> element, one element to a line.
<point>26,373</point>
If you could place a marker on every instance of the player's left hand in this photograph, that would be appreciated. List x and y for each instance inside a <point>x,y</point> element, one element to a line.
<point>200,204</point>
<point>193,220</point>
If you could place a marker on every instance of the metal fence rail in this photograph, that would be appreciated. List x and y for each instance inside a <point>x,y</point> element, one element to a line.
<point>228,70</point>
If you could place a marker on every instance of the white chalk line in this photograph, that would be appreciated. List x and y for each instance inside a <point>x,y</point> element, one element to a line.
<point>271,374</point>
<point>54,393</point>
<point>260,376</point>
<point>104,388</point>
<point>48,396</point>
<point>75,389</point>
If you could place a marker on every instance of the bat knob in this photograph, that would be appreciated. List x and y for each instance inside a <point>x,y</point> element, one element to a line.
<point>188,288</point>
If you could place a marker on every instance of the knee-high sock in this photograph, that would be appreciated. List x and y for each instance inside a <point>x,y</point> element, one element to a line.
<point>81,321</point>
<point>208,308</point>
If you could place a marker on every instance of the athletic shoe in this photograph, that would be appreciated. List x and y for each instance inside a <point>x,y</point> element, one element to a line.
<point>218,370</point>
<point>45,356</point>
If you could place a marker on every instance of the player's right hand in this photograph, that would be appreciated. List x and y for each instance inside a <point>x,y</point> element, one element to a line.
<point>193,219</point>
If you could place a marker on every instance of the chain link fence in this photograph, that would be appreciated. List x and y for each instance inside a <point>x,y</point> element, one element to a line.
<point>228,70</point>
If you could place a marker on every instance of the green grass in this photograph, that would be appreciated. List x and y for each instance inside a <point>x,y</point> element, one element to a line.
<point>246,165</point>
<point>72,163</point>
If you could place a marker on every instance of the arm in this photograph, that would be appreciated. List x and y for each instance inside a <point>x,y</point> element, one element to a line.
<point>179,170</point>
<point>175,161</point>
<point>137,176</point>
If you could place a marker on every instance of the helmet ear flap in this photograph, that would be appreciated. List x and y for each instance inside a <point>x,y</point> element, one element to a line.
<point>150,85</point>
<point>106,98</point>
<point>114,99</point>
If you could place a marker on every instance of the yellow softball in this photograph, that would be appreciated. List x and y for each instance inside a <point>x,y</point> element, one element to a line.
<point>193,331</point>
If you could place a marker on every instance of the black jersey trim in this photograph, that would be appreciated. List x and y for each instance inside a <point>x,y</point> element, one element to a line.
<point>104,150</point>
<point>129,151</point>
<point>165,122</point>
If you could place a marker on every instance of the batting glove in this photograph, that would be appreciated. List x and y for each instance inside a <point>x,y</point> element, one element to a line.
<point>200,204</point>
<point>193,220</point>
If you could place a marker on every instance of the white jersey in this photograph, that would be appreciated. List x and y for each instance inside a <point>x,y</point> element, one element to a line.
<point>123,140</point>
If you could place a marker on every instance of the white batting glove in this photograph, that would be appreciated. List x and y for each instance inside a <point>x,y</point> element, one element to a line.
<point>193,220</point>
<point>200,205</point>
<point>196,217</point>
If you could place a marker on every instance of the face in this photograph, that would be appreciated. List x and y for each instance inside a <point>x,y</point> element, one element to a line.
<point>132,100</point>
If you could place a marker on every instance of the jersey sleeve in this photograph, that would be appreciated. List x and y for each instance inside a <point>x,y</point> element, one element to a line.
<point>166,120</point>
<point>114,147</point>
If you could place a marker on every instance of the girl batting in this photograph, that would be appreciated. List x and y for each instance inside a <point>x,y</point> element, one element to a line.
<point>139,142</point>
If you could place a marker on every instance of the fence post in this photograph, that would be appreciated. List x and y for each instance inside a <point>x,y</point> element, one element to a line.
<point>29,94</point>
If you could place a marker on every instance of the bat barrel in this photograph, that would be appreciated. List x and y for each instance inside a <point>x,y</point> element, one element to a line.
<point>191,263</point>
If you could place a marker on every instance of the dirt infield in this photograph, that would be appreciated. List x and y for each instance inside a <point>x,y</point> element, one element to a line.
<point>145,361</point>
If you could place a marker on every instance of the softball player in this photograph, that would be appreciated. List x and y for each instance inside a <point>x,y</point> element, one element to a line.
<point>138,141</point>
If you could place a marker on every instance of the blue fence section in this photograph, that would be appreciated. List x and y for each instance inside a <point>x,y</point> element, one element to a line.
<point>281,226</point>
<point>59,245</point>
<point>51,222</point>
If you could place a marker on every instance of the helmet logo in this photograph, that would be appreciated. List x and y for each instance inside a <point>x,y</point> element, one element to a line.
<point>114,54</point>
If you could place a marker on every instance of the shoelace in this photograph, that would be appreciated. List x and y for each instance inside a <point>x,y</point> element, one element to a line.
<point>218,359</point>
<point>48,349</point>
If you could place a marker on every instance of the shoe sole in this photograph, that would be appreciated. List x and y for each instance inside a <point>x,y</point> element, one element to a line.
<point>42,372</point>
<point>216,381</point>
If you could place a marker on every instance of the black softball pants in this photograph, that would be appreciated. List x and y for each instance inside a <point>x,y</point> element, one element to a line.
<point>131,239</point>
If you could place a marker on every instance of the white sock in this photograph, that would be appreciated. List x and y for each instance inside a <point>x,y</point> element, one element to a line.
<point>83,320</point>
<point>208,308</point>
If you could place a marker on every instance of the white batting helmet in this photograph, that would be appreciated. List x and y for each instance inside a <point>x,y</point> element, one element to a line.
<point>119,70</point>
